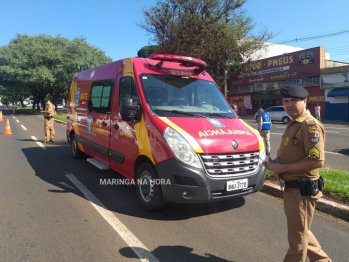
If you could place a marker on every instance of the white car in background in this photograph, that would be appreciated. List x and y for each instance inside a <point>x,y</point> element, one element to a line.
<point>59,106</point>
<point>276,113</point>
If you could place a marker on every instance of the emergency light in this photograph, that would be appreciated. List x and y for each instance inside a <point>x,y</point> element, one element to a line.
<point>184,60</point>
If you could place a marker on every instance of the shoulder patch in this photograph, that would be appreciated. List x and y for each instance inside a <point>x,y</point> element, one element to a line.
<point>314,153</point>
<point>314,135</point>
<point>286,141</point>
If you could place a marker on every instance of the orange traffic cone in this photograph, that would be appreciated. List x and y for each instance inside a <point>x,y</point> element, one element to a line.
<point>0,116</point>
<point>7,130</point>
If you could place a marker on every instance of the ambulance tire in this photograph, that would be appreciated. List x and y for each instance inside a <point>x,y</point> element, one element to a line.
<point>149,194</point>
<point>76,152</point>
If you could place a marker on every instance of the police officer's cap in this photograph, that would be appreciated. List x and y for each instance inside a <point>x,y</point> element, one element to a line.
<point>294,91</point>
<point>46,100</point>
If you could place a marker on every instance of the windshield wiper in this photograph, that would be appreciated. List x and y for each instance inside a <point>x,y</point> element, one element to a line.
<point>182,112</point>
<point>216,114</point>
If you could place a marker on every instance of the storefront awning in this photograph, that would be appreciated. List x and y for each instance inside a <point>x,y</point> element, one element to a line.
<point>338,92</point>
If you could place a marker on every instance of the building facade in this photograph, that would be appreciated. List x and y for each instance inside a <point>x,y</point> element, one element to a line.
<point>259,82</point>
<point>335,83</point>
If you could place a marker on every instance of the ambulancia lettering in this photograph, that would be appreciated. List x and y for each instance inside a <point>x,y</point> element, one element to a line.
<point>224,132</point>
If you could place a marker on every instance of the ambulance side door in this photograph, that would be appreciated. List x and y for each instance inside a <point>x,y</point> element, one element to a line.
<point>123,141</point>
<point>98,118</point>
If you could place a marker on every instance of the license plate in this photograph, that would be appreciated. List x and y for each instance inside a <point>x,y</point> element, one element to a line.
<point>237,184</point>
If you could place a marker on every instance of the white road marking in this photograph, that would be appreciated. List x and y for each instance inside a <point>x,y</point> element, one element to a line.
<point>17,121</point>
<point>13,116</point>
<point>23,127</point>
<point>327,131</point>
<point>341,128</point>
<point>276,134</point>
<point>136,245</point>
<point>38,142</point>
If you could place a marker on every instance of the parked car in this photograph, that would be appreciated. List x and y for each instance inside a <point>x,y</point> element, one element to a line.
<point>276,113</point>
<point>59,106</point>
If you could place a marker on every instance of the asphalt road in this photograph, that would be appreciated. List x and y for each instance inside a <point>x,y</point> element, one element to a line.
<point>54,208</point>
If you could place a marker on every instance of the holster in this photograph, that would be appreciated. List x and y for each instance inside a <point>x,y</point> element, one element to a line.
<point>309,187</point>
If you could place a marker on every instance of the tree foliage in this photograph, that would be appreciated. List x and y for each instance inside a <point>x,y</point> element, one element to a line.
<point>217,31</point>
<point>145,51</point>
<point>44,65</point>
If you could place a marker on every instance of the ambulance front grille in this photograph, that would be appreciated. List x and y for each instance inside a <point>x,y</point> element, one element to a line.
<point>239,164</point>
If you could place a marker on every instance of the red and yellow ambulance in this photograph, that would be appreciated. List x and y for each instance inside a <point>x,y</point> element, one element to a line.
<point>163,123</point>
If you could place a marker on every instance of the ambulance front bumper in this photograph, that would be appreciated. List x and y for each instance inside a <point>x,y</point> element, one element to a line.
<point>186,184</point>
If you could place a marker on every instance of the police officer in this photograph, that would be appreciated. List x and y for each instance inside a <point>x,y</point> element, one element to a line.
<point>300,156</point>
<point>264,126</point>
<point>48,114</point>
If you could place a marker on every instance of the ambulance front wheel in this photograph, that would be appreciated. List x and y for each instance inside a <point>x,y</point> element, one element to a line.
<point>148,190</point>
<point>77,153</point>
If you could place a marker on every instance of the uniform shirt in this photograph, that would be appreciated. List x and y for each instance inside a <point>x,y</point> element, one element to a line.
<point>50,109</point>
<point>303,137</point>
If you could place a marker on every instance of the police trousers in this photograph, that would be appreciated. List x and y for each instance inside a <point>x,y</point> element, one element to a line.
<point>266,136</point>
<point>299,211</point>
<point>49,130</point>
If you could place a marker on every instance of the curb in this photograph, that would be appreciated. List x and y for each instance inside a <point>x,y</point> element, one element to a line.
<point>60,122</point>
<point>325,206</point>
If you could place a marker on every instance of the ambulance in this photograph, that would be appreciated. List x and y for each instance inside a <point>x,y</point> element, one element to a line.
<point>163,123</point>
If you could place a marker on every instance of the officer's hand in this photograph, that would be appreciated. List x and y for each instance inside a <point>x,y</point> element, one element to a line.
<point>277,168</point>
<point>265,164</point>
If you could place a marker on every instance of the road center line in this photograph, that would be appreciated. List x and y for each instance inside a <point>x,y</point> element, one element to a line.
<point>17,121</point>
<point>23,127</point>
<point>137,246</point>
<point>38,142</point>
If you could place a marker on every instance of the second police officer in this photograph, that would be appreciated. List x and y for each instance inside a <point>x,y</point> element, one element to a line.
<point>264,126</point>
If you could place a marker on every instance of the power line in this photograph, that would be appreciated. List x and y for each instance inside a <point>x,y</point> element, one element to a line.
<point>315,37</point>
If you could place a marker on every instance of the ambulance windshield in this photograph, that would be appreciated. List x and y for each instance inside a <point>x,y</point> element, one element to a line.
<point>167,95</point>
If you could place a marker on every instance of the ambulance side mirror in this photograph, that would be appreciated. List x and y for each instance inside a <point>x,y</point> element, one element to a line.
<point>128,111</point>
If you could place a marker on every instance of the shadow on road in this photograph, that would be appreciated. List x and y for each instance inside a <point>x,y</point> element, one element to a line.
<point>344,151</point>
<point>52,165</point>
<point>172,253</point>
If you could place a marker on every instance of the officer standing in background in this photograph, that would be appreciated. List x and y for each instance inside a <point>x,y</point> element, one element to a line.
<point>48,114</point>
<point>264,126</point>
<point>300,156</point>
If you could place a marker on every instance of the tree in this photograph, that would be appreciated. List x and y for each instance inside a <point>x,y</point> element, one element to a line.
<point>145,51</point>
<point>217,31</point>
<point>45,65</point>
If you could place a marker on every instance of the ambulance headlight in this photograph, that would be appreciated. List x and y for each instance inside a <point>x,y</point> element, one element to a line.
<point>262,153</point>
<point>181,149</point>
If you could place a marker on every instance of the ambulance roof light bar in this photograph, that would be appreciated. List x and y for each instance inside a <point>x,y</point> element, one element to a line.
<point>185,60</point>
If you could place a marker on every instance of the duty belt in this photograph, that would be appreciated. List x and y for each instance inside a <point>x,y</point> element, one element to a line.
<point>306,186</point>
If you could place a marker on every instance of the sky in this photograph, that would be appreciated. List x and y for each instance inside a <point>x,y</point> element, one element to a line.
<point>111,25</point>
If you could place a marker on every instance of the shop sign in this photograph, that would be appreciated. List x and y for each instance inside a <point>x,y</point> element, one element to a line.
<point>335,80</point>
<point>305,82</point>
<point>300,65</point>
<point>240,89</point>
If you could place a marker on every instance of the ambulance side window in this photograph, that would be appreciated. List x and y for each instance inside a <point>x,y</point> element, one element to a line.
<point>127,88</point>
<point>100,97</point>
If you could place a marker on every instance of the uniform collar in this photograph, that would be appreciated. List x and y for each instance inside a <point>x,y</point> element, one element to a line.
<point>303,116</point>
